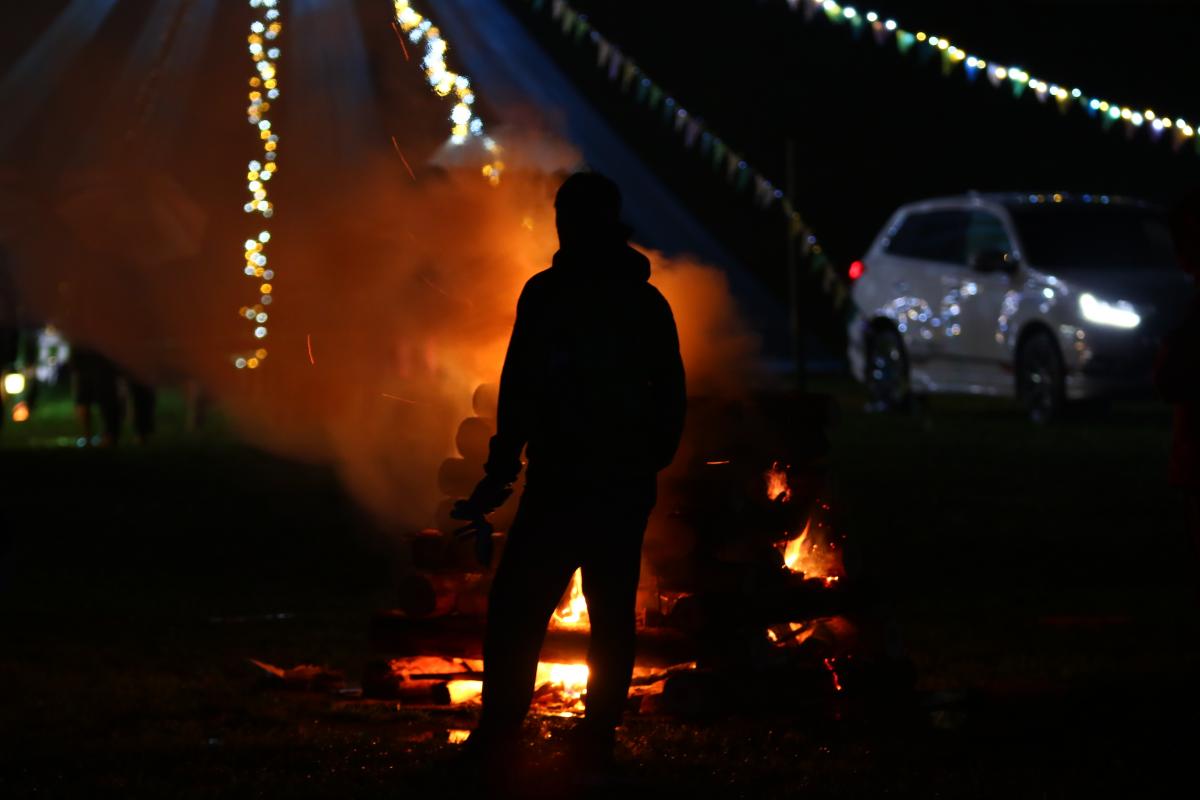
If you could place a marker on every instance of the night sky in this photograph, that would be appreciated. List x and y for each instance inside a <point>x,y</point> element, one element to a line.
<point>875,128</point>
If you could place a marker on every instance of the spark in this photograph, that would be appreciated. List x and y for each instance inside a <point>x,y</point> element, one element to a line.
<point>308,341</point>
<point>401,399</point>
<point>715,463</point>
<point>396,145</point>
<point>400,38</point>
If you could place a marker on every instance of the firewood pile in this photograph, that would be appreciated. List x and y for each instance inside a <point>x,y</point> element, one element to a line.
<point>745,598</point>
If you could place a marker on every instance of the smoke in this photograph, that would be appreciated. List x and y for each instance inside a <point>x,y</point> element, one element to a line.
<point>393,298</point>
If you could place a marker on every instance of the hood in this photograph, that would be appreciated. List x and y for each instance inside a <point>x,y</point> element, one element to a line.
<point>618,262</point>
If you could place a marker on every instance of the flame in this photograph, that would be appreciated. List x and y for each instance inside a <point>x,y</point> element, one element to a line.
<point>812,555</point>
<point>570,680</point>
<point>464,691</point>
<point>572,610</point>
<point>20,412</point>
<point>793,550</point>
<point>777,483</point>
<point>791,634</point>
<point>457,735</point>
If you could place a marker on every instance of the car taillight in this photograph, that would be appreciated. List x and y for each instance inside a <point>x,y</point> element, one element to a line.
<point>856,270</point>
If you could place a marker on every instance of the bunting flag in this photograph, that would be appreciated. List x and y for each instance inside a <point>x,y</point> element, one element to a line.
<point>620,69</point>
<point>1154,123</point>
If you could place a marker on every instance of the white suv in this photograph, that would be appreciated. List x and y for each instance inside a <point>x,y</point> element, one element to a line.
<point>1048,298</point>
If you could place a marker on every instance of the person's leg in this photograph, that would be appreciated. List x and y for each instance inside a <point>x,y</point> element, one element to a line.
<point>83,391</point>
<point>83,413</point>
<point>110,402</point>
<point>611,567</point>
<point>142,398</point>
<point>534,570</point>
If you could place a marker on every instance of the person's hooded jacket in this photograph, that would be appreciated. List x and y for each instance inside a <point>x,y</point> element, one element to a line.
<point>593,382</point>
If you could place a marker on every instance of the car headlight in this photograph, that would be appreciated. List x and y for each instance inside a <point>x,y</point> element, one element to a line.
<point>1116,315</point>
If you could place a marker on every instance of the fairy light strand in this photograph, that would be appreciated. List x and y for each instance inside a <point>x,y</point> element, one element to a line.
<point>998,74</point>
<point>465,123</point>
<point>264,90</point>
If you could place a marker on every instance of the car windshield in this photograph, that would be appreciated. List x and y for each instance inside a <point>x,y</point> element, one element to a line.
<point>1090,236</point>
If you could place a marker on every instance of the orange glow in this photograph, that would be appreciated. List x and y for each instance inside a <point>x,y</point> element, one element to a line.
<point>20,412</point>
<point>570,680</point>
<point>572,610</point>
<point>464,691</point>
<point>777,483</point>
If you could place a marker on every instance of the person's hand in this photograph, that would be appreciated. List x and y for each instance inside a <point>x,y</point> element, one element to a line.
<point>489,495</point>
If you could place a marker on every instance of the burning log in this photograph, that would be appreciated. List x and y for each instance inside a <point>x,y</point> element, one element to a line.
<point>760,607</point>
<point>474,438</point>
<point>462,637</point>
<point>382,682</point>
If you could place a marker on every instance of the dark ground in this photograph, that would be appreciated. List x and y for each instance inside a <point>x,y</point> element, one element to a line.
<point>1040,577</point>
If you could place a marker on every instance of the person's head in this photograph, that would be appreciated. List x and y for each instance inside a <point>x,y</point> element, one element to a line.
<point>588,210</point>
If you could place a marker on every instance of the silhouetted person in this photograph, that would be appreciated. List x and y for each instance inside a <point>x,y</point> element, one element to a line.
<point>1177,373</point>
<point>593,388</point>
<point>94,383</point>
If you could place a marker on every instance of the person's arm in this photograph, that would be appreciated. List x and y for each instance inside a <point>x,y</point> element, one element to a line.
<point>668,384</point>
<point>513,407</point>
<point>512,432</point>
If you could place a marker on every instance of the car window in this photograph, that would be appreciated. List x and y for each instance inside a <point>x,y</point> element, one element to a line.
<point>1094,236</point>
<point>932,236</point>
<point>986,233</point>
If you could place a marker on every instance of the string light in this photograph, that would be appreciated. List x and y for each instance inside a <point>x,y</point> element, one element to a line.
<point>1096,106</point>
<point>264,89</point>
<point>465,123</point>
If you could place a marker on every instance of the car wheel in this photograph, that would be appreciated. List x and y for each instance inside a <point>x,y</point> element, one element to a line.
<point>887,371</point>
<point>1041,377</point>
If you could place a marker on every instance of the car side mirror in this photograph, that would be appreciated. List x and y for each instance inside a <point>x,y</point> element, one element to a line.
<point>993,261</point>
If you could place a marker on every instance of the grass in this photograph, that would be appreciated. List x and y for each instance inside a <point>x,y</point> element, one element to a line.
<point>1040,578</point>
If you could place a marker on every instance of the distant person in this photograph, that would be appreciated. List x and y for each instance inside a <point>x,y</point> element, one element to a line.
<point>94,383</point>
<point>593,384</point>
<point>1177,374</point>
<point>142,401</point>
